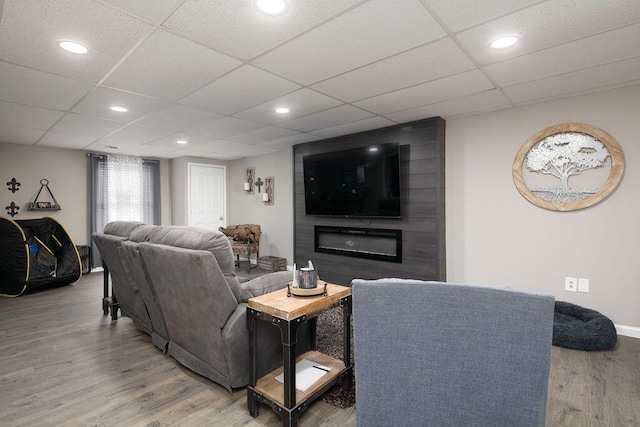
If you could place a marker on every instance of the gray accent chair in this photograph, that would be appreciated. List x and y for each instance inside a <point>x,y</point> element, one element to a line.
<point>186,278</point>
<point>438,354</point>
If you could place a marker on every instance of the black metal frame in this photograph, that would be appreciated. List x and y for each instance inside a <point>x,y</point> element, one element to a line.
<point>291,410</point>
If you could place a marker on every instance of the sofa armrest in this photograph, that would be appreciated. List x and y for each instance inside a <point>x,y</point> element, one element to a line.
<point>264,284</point>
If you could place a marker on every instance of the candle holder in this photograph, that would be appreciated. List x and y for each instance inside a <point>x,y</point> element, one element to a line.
<point>248,184</point>
<point>267,196</point>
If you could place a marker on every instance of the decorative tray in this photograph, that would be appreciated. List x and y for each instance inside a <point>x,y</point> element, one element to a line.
<point>320,289</point>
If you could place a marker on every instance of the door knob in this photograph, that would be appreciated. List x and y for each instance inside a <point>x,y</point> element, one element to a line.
<point>221,218</point>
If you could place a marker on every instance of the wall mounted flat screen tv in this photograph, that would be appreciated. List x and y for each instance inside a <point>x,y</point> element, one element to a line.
<point>360,182</point>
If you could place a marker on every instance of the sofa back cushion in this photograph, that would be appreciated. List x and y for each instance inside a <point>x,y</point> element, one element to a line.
<point>194,299</point>
<point>121,228</point>
<point>194,238</point>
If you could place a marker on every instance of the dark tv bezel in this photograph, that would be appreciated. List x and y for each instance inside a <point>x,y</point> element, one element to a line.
<point>304,184</point>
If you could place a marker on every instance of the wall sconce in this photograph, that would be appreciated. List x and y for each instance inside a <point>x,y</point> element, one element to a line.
<point>267,196</point>
<point>248,184</point>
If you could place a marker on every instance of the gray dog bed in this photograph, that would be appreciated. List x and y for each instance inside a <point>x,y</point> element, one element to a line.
<point>582,329</point>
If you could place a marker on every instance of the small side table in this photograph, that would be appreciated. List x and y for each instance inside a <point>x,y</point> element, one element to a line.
<point>288,313</point>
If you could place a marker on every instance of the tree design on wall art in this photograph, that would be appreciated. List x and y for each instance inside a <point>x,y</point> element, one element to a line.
<point>564,151</point>
<point>563,155</point>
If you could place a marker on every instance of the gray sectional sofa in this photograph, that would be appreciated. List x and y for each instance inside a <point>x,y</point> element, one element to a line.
<point>178,284</point>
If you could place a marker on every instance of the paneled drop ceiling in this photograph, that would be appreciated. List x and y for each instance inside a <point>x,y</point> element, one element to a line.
<point>211,72</point>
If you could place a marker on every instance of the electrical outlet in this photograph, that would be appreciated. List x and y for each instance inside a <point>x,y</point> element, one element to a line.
<point>571,284</point>
<point>583,285</point>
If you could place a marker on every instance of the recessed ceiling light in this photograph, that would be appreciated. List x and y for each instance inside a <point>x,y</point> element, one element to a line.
<point>282,110</point>
<point>181,141</point>
<point>503,42</point>
<point>271,7</point>
<point>373,149</point>
<point>118,109</point>
<point>73,47</point>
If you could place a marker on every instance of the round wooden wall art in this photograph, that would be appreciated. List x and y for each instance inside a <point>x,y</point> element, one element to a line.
<point>560,152</point>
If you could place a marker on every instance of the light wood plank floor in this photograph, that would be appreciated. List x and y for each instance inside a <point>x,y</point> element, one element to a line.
<point>63,363</point>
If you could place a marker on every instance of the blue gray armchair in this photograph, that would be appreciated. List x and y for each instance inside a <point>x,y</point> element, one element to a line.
<point>437,354</point>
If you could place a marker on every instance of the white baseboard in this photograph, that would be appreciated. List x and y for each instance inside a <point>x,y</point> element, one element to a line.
<point>628,331</point>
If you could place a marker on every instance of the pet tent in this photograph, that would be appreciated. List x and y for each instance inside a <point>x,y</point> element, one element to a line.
<point>35,253</point>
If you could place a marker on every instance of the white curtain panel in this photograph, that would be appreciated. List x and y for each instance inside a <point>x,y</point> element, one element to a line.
<point>127,195</point>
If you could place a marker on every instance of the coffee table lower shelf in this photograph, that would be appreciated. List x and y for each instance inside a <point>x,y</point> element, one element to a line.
<point>273,390</point>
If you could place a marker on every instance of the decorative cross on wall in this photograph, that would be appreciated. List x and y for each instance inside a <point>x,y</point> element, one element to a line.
<point>259,184</point>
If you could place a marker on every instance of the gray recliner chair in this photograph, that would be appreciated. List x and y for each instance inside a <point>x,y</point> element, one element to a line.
<point>438,354</point>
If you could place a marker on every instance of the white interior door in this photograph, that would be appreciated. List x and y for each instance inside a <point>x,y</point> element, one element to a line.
<point>207,195</point>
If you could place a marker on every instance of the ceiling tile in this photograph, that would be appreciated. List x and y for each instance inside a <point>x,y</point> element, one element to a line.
<point>85,126</point>
<point>168,67</point>
<point>140,134</point>
<point>177,117</point>
<point>151,151</point>
<point>456,86</point>
<point>419,65</point>
<point>458,15</point>
<point>611,46</point>
<point>264,134</point>
<point>27,117</point>
<point>26,86</point>
<point>224,128</point>
<point>244,87</point>
<point>214,145</point>
<point>577,82</point>
<point>17,135</point>
<point>199,143</point>
<point>480,102</point>
<point>151,10</point>
<point>107,145</point>
<point>354,127</point>
<point>353,40</point>
<point>97,103</point>
<point>290,141</point>
<point>66,140</point>
<point>300,103</point>
<point>190,152</point>
<point>327,118</point>
<point>546,24</point>
<point>241,31</point>
<point>31,29</point>
<point>253,150</point>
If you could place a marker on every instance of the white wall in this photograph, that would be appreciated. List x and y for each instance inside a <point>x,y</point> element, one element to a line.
<point>276,221</point>
<point>495,236</point>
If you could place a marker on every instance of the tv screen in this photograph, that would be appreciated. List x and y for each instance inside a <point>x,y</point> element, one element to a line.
<point>360,182</point>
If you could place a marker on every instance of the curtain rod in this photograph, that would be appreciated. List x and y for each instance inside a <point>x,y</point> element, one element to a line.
<point>103,156</point>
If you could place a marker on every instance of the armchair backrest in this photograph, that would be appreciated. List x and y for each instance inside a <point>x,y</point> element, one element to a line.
<point>431,353</point>
<point>243,232</point>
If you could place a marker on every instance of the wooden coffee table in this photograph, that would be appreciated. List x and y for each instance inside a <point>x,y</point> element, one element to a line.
<point>288,313</point>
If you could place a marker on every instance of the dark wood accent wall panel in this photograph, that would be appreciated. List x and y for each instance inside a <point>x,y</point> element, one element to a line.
<point>422,191</point>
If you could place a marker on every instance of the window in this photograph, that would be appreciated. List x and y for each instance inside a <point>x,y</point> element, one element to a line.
<point>123,189</point>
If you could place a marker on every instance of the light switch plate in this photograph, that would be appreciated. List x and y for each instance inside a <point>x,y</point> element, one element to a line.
<point>583,285</point>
